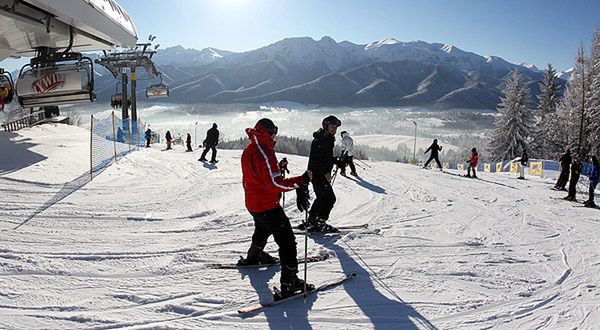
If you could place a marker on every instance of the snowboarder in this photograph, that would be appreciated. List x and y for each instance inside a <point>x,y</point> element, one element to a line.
<point>263,186</point>
<point>188,142</point>
<point>435,149</point>
<point>563,178</point>
<point>148,135</point>
<point>320,162</point>
<point>575,173</point>
<point>211,141</point>
<point>283,164</point>
<point>593,182</point>
<point>347,154</point>
<point>473,164</point>
<point>524,160</point>
<point>169,139</point>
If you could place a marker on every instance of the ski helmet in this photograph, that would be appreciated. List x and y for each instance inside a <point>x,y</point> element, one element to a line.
<point>268,125</point>
<point>474,150</point>
<point>331,120</point>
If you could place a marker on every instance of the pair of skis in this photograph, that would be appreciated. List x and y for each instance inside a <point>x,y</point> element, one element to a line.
<point>342,230</point>
<point>310,259</point>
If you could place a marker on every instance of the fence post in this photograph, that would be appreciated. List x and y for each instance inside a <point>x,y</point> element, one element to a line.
<point>114,136</point>
<point>129,136</point>
<point>91,138</point>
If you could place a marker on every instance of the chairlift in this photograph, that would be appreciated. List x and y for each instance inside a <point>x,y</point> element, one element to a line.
<point>116,100</point>
<point>7,88</point>
<point>56,79</point>
<point>157,90</point>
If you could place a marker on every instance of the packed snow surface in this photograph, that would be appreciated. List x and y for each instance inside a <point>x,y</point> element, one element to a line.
<point>129,249</point>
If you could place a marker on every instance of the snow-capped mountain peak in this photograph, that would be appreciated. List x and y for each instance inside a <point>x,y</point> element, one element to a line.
<point>385,42</point>
<point>530,66</point>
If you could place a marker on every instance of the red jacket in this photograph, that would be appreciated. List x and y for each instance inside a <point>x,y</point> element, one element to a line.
<point>263,183</point>
<point>474,159</point>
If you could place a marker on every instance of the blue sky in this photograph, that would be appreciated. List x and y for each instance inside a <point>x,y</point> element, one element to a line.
<point>534,31</point>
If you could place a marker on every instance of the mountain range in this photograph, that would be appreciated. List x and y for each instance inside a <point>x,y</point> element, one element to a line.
<point>383,73</point>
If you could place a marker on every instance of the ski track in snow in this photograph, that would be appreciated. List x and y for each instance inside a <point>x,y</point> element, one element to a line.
<point>128,249</point>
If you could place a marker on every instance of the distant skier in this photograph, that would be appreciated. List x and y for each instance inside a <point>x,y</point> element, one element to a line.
<point>347,154</point>
<point>283,164</point>
<point>473,164</point>
<point>188,142</point>
<point>575,173</point>
<point>523,161</point>
<point>211,141</point>
<point>169,139</point>
<point>593,182</point>
<point>120,134</point>
<point>148,135</point>
<point>263,186</point>
<point>320,162</point>
<point>563,178</point>
<point>435,149</point>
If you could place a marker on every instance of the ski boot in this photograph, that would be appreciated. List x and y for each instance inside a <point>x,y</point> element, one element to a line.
<point>261,258</point>
<point>467,175</point>
<point>353,174</point>
<point>323,227</point>
<point>474,176</point>
<point>570,198</point>
<point>292,287</point>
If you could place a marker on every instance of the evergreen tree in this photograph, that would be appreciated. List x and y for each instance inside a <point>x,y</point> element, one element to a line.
<point>548,101</point>
<point>514,126</point>
<point>593,97</point>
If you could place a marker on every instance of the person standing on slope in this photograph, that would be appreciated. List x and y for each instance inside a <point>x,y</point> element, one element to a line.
<point>320,162</point>
<point>148,135</point>
<point>575,173</point>
<point>563,178</point>
<point>263,185</point>
<point>283,164</point>
<point>211,141</point>
<point>524,160</point>
<point>435,149</point>
<point>473,164</point>
<point>347,154</point>
<point>593,182</point>
<point>188,142</point>
<point>169,139</point>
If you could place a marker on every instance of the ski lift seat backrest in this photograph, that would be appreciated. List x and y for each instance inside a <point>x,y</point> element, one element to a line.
<point>57,84</point>
<point>157,90</point>
<point>6,87</point>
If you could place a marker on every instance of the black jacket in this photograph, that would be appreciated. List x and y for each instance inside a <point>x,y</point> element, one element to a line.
<point>524,158</point>
<point>321,160</point>
<point>212,137</point>
<point>435,149</point>
<point>565,160</point>
<point>168,136</point>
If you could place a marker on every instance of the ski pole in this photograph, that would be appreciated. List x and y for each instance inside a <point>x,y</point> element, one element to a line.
<point>367,165</point>
<point>305,248</point>
<point>334,175</point>
<point>283,201</point>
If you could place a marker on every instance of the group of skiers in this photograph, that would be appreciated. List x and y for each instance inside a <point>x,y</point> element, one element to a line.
<point>574,167</point>
<point>264,182</point>
<point>210,143</point>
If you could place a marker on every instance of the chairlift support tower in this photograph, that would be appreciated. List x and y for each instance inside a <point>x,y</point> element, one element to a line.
<point>119,64</point>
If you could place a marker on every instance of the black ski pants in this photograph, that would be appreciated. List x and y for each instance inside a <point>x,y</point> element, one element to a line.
<point>573,186</point>
<point>472,168</point>
<point>325,200</point>
<point>147,142</point>
<point>189,146</point>
<point>591,193</point>
<point>563,178</point>
<point>437,160</point>
<point>275,222</point>
<point>213,155</point>
<point>350,162</point>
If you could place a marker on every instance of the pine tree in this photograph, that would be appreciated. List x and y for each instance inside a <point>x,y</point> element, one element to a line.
<point>593,97</point>
<point>548,101</point>
<point>514,126</point>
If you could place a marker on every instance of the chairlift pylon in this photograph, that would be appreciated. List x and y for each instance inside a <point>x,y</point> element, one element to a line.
<point>7,88</point>
<point>56,79</point>
<point>157,90</point>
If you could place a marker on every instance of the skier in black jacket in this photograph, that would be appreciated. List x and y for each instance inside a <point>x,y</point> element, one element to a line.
<point>575,174</point>
<point>565,162</point>
<point>435,149</point>
<point>321,162</point>
<point>211,141</point>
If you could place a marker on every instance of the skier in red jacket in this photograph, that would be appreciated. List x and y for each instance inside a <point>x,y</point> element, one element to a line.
<point>263,185</point>
<point>473,164</point>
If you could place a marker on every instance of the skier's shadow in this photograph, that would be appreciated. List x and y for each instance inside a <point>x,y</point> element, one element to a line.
<point>289,315</point>
<point>361,182</point>
<point>383,312</point>
<point>210,166</point>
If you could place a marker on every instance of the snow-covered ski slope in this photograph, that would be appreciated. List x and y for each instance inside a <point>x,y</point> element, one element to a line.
<point>128,249</point>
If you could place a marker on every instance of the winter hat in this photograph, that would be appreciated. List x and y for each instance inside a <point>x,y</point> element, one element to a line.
<point>474,150</point>
<point>268,125</point>
<point>214,125</point>
<point>331,120</point>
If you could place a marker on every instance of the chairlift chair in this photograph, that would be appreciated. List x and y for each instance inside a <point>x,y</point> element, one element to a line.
<point>65,78</point>
<point>157,90</point>
<point>7,88</point>
<point>116,100</point>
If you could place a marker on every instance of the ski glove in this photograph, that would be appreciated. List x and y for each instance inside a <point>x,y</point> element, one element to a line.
<point>302,198</point>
